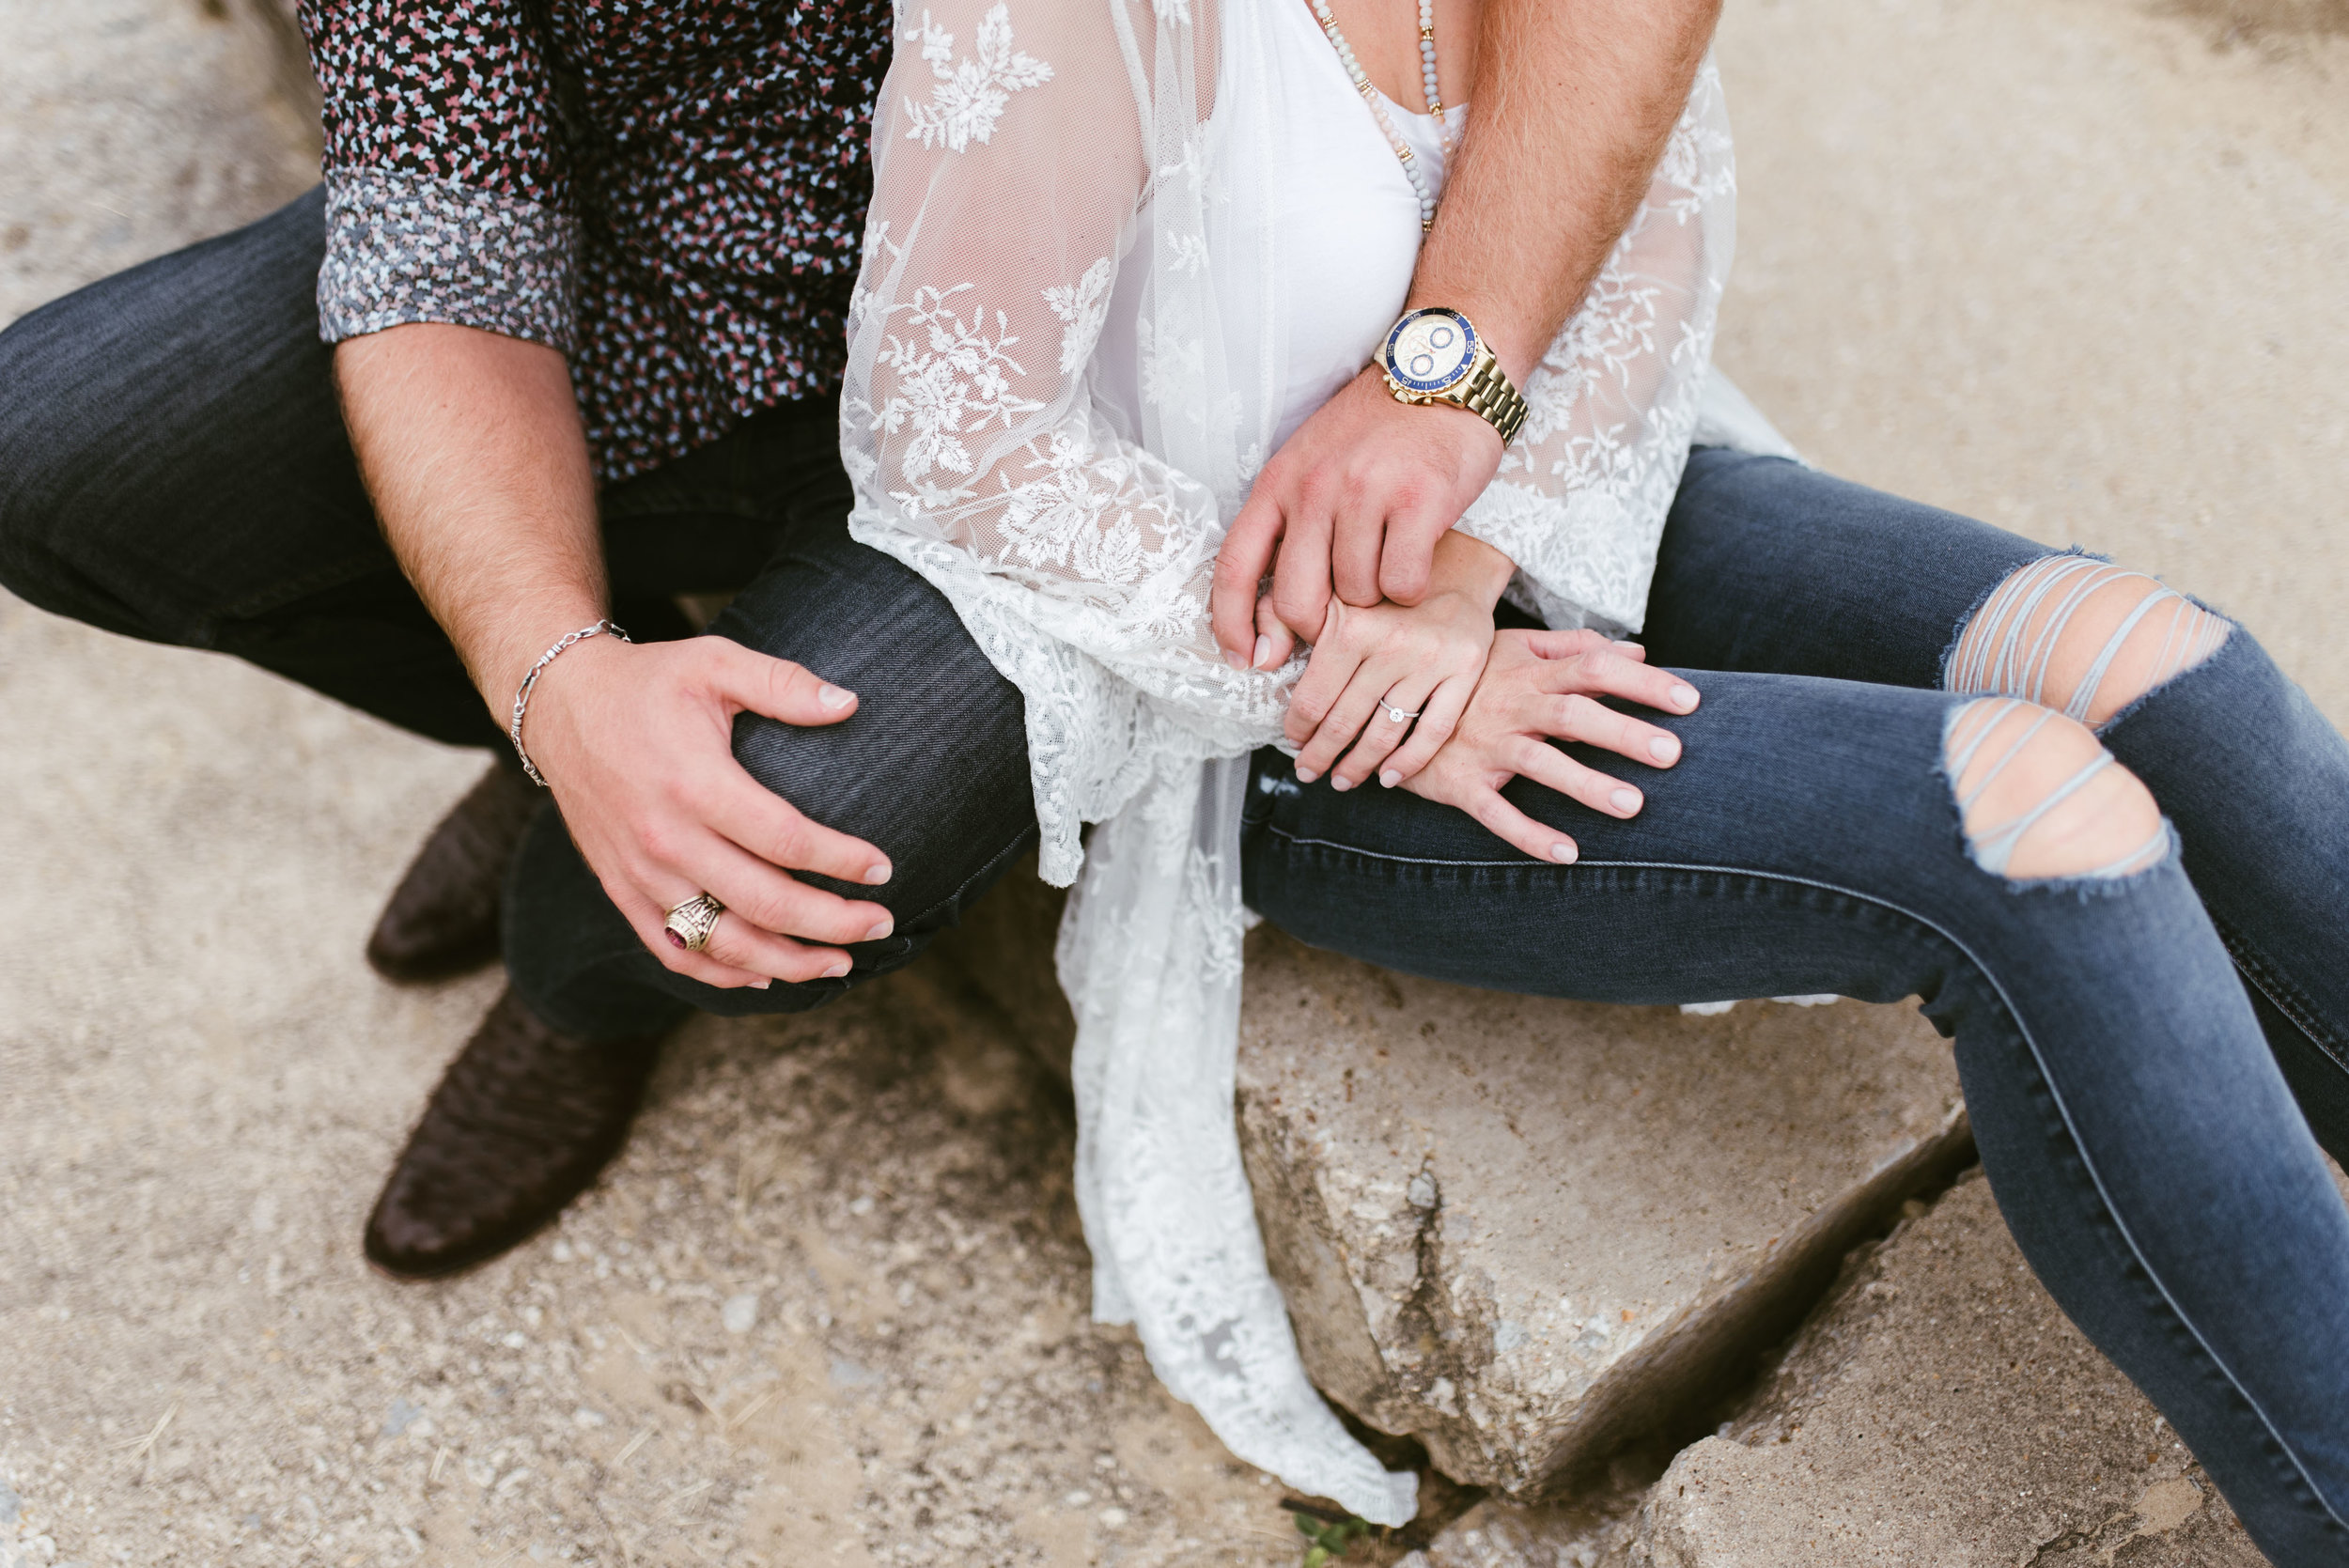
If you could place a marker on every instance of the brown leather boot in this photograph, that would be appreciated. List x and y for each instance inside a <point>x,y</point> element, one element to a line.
<point>443,917</point>
<point>519,1126</point>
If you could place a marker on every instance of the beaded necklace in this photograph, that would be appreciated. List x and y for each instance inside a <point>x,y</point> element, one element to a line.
<point>1370,98</point>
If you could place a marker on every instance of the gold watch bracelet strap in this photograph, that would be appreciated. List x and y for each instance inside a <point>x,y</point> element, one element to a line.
<point>1489,396</point>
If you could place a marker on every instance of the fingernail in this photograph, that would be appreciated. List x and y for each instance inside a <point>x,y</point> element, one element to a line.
<point>1390,777</point>
<point>675,940</point>
<point>1628,647</point>
<point>1563,852</point>
<point>760,984</point>
<point>880,928</point>
<point>1663,748</point>
<point>1340,783</point>
<point>1306,775</point>
<point>1263,649</point>
<point>837,970</point>
<point>832,697</point>
<point>878,872</point>
<point>1625,800</point>
<point>1683,697</point>
<point>1234,660</point>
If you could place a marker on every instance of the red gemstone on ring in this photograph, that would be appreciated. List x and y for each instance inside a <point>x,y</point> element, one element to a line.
<point>675,940</point>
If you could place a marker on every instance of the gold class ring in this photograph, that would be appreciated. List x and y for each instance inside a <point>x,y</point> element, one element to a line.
<point>689,924</point>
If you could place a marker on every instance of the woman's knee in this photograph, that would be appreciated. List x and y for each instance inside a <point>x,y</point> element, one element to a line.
<point>2081,636</point>
<point>2040,798</point>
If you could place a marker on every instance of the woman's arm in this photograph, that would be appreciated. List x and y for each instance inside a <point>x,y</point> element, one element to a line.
<point>1422,660</point>
<point>1542,685</point>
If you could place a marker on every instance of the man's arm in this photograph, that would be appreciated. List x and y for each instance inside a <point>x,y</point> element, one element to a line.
<point>1572,103</point>
<point>472,448</point>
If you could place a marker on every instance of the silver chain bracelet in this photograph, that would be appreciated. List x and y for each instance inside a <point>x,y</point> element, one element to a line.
<point>522,696</point>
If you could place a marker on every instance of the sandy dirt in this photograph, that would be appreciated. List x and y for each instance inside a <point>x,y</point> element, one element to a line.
<point>2073,265</point>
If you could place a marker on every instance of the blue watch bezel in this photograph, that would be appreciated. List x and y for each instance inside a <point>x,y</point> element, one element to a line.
<point>1386,354</point>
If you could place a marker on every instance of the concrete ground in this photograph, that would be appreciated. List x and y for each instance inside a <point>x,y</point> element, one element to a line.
<point>2071,265</point>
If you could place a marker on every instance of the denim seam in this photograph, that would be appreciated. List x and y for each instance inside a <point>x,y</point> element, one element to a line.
<point>2046,1074</point>
<point>2273,985</point>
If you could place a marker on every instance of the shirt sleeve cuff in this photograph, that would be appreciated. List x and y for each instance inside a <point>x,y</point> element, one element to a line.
<point>402,248</point>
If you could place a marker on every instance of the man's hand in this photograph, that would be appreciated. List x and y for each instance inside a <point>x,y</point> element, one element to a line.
<point>473,452</point>
<point>637,744</point>
<point>1354,500</point>
<point>1544,685</point>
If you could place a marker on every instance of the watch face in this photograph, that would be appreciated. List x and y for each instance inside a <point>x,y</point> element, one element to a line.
<point>1430,349</point>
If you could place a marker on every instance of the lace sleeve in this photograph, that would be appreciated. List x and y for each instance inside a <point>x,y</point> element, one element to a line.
<point>1582,495</point>
<point>1010,159</point>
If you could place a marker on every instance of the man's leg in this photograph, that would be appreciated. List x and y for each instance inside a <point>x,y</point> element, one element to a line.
<point>173,467</point>
<point>931,769</point>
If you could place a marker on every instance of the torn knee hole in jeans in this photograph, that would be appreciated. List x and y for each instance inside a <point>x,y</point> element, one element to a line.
<point>2081,636</point>
<point>2042,800</point>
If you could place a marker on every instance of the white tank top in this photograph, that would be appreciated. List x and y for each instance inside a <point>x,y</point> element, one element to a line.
<point>1346,231</point>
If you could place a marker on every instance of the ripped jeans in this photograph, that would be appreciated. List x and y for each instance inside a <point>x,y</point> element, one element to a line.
<point>2150,1025</point>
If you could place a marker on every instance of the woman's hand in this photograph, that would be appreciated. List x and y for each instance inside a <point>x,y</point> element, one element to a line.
<point>1537,685</point>
<point>637,741</point>
<point>1423,658</point>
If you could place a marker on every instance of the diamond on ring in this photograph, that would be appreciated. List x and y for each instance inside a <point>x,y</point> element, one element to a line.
<point>690,923</point>
<point>1398,715</point>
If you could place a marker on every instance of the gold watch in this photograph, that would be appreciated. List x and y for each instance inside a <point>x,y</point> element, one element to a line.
<point>1435,356</point>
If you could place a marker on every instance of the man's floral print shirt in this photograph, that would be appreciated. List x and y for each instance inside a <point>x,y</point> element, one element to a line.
<point>672,192</point>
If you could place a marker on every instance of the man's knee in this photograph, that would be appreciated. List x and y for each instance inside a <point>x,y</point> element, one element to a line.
<point>2042,799</point>
<point>932,766</point>
<point>2081,636</point>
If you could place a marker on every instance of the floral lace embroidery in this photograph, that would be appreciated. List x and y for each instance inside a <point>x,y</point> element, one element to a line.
<point>1084,306</point>
<point>951,381</point>
<point>968,94</point>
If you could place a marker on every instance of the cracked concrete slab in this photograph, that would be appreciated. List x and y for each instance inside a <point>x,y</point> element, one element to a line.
<point>1942,1412</point>
<point>1530,1231</point>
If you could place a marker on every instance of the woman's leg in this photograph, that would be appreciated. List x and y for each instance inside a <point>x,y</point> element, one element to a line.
<point>2136,1130</point>
<point>1767,565</point>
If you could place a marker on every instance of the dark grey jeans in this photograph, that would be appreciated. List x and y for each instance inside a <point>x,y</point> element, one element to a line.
<point>173,466</point>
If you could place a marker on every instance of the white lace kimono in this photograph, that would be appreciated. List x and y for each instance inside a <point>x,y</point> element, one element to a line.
<point>1040,164</point>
